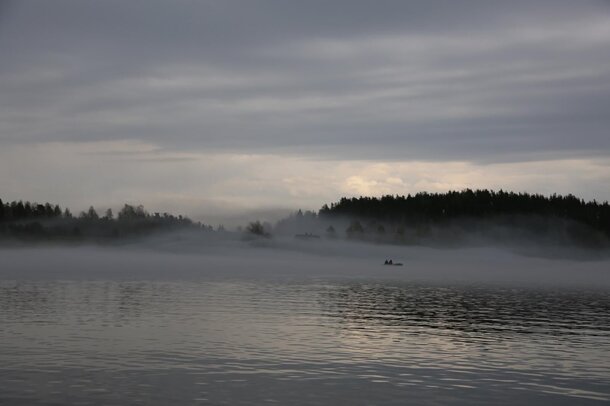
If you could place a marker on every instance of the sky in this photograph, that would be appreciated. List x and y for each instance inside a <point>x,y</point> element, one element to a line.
<point>215,108</point>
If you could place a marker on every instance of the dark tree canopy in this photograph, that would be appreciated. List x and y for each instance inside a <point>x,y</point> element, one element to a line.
<point>27,221</point>
<point>482,204</point>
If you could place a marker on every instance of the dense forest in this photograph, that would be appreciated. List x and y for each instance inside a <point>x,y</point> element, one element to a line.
<point>457,213</point>
<point>34,221</point>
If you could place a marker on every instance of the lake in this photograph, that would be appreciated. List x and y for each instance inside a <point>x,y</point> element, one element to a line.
<point>133,326</point>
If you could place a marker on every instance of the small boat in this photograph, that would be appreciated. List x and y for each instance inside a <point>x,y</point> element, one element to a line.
<point>390,262</point>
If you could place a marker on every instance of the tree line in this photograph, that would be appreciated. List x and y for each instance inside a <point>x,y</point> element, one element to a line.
<point>412,219</point>
<point>476,216</point>
<point>438,208</point>
<point>34,221</point>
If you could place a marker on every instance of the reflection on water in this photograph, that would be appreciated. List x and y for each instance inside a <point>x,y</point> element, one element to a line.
<point>307,342</point>
<point>497,311</point>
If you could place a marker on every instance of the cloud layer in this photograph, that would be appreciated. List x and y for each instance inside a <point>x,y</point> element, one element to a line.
<point>388,82</point>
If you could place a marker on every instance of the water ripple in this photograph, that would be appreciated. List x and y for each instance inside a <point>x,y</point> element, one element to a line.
<point>253,342</point>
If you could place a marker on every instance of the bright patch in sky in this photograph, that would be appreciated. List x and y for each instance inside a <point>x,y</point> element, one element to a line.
<point>211,187</point>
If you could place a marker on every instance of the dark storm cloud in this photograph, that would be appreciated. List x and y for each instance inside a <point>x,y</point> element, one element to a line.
<point>432,80</point>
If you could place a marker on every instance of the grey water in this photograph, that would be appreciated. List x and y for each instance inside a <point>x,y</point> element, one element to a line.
<point>115,329</point>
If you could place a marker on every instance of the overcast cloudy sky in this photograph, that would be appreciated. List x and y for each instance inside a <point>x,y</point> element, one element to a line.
<point>211,107</point>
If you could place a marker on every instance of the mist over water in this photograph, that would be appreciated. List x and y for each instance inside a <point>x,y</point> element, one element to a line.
<point>180,321</point>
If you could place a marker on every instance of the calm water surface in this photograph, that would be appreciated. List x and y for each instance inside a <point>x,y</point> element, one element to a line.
<point>299,341</point>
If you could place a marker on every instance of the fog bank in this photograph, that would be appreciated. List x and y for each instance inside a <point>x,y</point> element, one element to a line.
<point>176,257</point>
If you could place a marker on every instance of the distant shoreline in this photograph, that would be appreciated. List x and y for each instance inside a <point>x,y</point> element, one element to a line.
<point>452,219</point>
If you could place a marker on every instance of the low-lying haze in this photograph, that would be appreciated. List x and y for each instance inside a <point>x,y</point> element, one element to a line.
<point>183,257</point>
